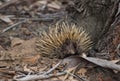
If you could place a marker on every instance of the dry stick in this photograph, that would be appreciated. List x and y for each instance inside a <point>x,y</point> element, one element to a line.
<point>37,77</point>
<point>49,71</point>
<point>45,75</point>
<point>14,2</point>
<point>69,72</point>
<point>41,76</point>
<point>102,63</point>
<point>8,3</point>
<point>8,28</point>
<point>45,17</point>
<point>78,77</point>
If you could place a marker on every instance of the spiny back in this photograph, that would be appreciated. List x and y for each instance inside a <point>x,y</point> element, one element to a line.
<point>63,40</point>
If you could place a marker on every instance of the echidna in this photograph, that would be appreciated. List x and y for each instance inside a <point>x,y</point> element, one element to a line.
<point>63,40</point>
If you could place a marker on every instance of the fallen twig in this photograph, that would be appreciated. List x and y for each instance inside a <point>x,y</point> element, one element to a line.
<point>38,19</point>
<point>46,75</point>
<point>8,28</point>
<point>15,2</point>
<point>102,63</point>
<point>8,3</point>
<point>37,77</point>
<point>43,75</point>
<point>53,15</point>
<point>78,77</point>
<point>44,17</point>
<point>71,72</point>
<point>49,71</point>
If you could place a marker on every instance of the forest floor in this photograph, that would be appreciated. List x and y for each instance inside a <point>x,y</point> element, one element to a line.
<point>21,22</point>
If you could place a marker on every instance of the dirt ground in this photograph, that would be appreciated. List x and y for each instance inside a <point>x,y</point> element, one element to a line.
<point>21,23</point>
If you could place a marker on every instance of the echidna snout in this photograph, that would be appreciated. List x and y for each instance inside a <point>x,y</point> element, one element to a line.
<point>69,48</point>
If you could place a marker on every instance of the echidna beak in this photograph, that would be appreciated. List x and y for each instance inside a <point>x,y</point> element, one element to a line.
<point>72,52</point>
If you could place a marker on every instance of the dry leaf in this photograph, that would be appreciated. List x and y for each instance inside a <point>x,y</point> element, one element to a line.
<point>54,5</point>
<point>27,69</point>
<point>82,72</point>
<point>16,41</point>
<point>31,59</point>
<point>38,3</point>
<point>42,2</point>
<point>6,19</point>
